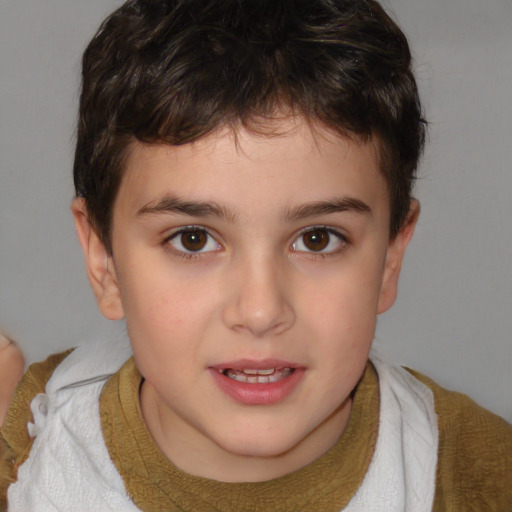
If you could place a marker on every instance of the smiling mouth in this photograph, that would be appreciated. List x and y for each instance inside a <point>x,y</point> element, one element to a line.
<point>253,376</point>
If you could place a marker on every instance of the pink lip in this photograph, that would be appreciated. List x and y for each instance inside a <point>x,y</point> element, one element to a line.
<point>257,394</point>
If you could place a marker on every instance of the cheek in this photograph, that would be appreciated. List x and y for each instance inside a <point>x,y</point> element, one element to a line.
<point>341,317</point>
<point>164,328</point>
<point>346,296</point>
<point>162,304</point>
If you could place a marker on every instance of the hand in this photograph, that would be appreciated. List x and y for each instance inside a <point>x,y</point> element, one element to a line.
<point>12,365</point>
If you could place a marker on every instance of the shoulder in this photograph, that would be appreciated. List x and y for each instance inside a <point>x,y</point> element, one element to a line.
<point>32,383</point>
<point>475,454</point>
<point>15,441</point>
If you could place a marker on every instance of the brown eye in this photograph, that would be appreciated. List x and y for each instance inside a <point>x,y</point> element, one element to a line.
<point>189,240</point>
<point>194,240</point>
<point>319,240</point>
<point>316,240</point>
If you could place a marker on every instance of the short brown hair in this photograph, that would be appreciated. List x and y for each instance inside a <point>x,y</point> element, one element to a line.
<point>173,71</point>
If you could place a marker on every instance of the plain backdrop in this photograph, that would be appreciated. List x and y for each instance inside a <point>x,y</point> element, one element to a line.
<point>453,317</point>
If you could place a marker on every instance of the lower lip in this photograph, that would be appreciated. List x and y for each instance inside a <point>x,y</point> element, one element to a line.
<point>258,394</point>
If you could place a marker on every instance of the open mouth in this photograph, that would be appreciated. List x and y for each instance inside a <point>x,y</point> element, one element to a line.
<point>258,382</point>
<point>253,376</point>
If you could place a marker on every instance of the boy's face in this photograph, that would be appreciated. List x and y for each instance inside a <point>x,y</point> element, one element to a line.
<point>250,274</point>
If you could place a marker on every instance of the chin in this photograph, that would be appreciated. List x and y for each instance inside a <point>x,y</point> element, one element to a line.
<point>260,445</point>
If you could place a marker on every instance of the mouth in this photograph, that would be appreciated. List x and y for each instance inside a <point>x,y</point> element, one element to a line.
<point>257,376</point>
<point>253,382</point>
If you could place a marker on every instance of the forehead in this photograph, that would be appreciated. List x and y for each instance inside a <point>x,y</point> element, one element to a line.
<point>290,162</point>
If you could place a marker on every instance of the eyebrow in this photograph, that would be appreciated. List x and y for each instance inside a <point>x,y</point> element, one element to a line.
<point>345,204</point>
<point>170,204</point>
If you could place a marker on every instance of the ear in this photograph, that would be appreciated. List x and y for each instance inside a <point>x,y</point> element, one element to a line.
<point>394,258</point>
<point>99,264</point>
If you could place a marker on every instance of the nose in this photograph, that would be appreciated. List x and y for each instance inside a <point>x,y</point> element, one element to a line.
<point>257,302</point>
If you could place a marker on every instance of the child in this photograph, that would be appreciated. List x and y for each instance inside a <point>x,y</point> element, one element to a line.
<point>243,174</point>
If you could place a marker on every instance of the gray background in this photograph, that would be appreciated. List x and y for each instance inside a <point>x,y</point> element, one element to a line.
<point>453,318</point>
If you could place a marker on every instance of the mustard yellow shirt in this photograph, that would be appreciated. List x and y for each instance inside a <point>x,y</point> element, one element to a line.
<point>474,468</point>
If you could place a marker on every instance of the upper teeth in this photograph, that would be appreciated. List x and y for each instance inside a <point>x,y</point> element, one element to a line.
<point>254,376</point>
<point>250,371</point>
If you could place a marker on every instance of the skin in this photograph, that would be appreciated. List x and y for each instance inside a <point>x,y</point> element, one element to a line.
<point>11,370</point>
<point>255,291</point>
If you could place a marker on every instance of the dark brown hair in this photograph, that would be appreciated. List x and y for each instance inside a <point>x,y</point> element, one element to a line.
<point>172,71</point>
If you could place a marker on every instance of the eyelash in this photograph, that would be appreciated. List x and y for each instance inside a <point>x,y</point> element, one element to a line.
<point>188,255</point>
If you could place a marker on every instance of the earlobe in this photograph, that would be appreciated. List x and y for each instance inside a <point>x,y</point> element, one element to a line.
<point>394,258</point>
<point>99,264</point>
